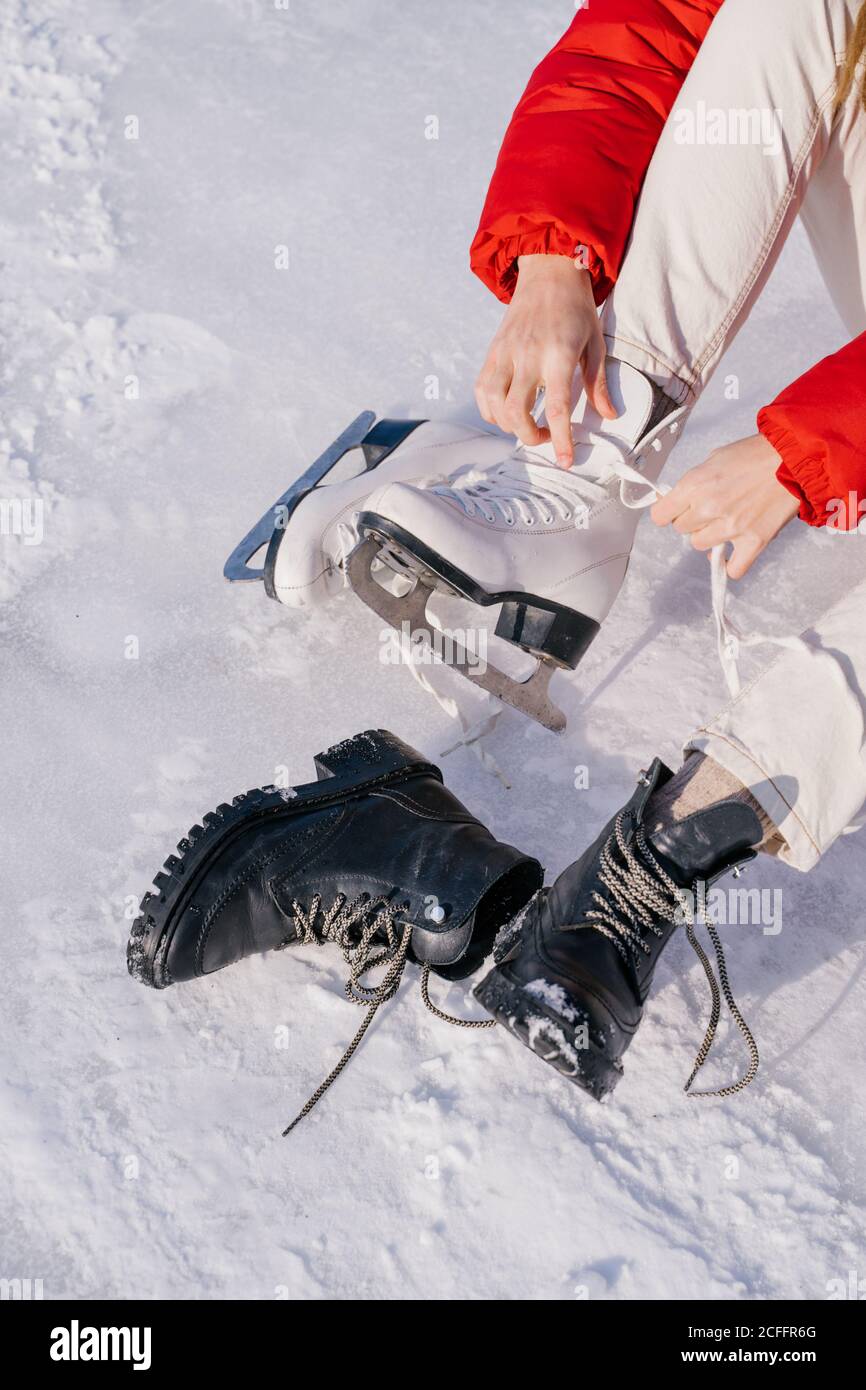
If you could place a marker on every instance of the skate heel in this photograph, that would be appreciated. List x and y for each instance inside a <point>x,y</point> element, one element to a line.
<point>368,757</point>
<point>560,634</point>
<point>546,1033</point>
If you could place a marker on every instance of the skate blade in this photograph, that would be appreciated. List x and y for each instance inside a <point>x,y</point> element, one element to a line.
<point>530,696</point>
<point>237,567</point>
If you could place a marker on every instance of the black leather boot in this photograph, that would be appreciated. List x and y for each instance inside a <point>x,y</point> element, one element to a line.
<point>377,856</point>
<point>574,969</point>
<point>378,828</point>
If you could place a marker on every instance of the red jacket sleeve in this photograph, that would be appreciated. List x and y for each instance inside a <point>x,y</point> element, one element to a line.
<point>580,141</point>
<point>818,425</point>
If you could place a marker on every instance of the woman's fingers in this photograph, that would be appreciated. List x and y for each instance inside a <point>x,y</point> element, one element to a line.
<point>484,408</point>
<point>542,338</point>
<point>705,537</point>
<point>506,397</point>
<point>491,392</point>
<point>669,507</point>
<point>517,415</point>
<point>557,410</point>
<point>689,521</point>
<point>734,496</point>
<point>745,552</point>
<point>594,378</point>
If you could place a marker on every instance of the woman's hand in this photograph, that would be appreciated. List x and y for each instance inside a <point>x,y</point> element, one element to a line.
<point>734,496</point>
<point>550,328</point>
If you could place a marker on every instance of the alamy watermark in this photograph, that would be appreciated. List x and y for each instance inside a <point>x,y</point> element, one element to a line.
<point>21,1290</point>
<point>732,907</point>
<point>846,516</point>
<point>24,517</point>
<point>715,125</point>
<point>77,1343</point>
<point>423,646</point>
<point>852,1287</point>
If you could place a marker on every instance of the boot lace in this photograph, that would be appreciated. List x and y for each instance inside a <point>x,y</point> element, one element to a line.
<point>369,932</point>
<point>641,896</point>
<point>519,490</point>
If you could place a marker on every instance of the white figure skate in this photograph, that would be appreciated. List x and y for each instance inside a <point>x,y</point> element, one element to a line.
<point>309,531</point>
<point>549,547</point>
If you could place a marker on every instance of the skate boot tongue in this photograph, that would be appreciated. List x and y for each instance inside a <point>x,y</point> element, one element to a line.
<point>635,400</point>
<point>707,843</point>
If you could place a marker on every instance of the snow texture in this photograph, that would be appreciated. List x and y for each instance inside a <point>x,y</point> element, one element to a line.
<point>555,997</point>
<point>163,382</point>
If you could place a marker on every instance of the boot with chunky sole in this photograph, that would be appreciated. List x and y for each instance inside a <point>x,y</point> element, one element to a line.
<point>377,856</point>
<point>575,967</point>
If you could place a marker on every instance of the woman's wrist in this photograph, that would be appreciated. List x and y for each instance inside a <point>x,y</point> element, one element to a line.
<point>541,263</point>
<point>555,269</point>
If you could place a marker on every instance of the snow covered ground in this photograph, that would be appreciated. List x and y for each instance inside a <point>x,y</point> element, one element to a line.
<point>162,383</point>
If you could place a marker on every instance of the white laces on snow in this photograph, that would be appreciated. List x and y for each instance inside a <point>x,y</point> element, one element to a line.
<point>731,637</point>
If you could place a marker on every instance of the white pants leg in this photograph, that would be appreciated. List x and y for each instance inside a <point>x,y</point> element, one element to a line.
<point>709,227</point>
<point>796,735</point>
<point>752,141</point>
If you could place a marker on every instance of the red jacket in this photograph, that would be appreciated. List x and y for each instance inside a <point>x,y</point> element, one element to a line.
<point>568,176</point>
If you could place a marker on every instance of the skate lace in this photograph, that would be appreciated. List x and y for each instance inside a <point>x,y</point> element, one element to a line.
<point>641,895</point>
<point>520,490</point>
<point>348,536</point>
<point>358,928</point>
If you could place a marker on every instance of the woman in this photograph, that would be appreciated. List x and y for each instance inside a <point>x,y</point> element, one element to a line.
<point>729,118</point>
<point>596,107</point>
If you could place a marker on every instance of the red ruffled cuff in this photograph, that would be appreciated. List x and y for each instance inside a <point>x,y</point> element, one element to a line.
<point>805,477</point>
<point>494,258</point>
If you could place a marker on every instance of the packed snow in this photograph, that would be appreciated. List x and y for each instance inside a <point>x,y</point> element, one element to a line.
<point>226,231</point>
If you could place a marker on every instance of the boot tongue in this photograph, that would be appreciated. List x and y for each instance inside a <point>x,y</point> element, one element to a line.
<point>706,843</point>
<point>632,396</point>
